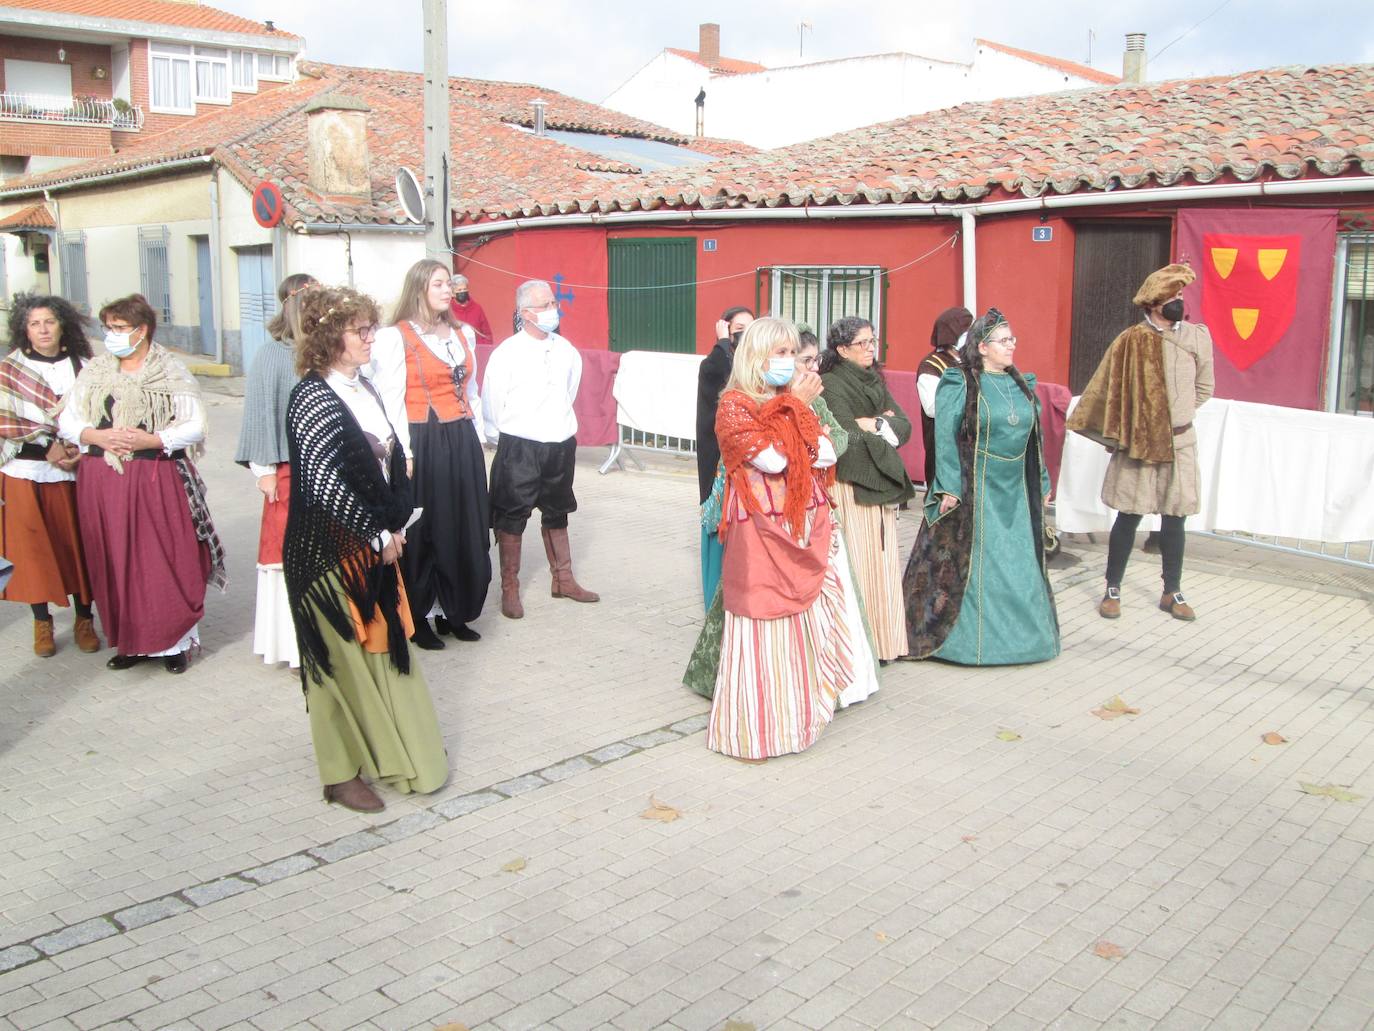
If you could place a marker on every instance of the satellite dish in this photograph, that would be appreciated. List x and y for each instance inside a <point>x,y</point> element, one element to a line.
<point>411,196</point>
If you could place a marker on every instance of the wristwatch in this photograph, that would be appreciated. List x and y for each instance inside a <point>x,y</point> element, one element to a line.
<point>878,424</point>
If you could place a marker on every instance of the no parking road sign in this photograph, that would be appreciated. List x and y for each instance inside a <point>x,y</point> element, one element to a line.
<point>267,205</point>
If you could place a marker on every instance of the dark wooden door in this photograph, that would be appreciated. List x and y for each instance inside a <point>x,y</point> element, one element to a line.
<point>1110,261</point>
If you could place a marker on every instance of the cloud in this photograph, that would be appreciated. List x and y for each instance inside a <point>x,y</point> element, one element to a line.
<point>587,48</point>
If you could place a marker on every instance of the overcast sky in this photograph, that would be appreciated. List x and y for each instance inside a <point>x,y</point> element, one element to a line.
<point>587,48</point>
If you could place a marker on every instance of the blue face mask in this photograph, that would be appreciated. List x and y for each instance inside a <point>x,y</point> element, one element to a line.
<point>780,371</point>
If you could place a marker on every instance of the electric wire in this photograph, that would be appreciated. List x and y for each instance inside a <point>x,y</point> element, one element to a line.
<point>798,274</point>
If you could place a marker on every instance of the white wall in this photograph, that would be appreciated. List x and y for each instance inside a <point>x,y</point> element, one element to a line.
<point>664,92</point>
<point>780,106</point>
<point>380,261</point>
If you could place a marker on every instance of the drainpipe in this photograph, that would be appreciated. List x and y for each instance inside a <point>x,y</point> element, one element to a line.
<point>55,249</point>
<point>216,272</point>
<point>966,234</point>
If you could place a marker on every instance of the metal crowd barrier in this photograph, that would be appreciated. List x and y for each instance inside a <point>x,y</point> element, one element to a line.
<point>1359,553</point>
<point>632,440</point>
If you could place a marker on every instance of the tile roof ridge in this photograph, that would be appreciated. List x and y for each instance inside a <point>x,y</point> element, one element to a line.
<point>1083,71</point>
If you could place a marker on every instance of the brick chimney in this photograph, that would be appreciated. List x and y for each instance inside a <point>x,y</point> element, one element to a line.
<point>708,48</point>
<point>337,157</point>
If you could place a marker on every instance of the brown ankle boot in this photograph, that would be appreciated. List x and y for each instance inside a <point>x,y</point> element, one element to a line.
<point>43,645</point>
<point>85,635</point>
<point>354,794</point>
<point>559,552</point>
<point>508,549</point>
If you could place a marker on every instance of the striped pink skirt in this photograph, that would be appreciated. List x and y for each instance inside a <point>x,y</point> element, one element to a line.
<point>871,531</point>
<point>778,678</point>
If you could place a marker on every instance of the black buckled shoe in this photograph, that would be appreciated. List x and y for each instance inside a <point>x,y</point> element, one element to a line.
<point>425,637</point>
<point>123,661</point>
<point>175,663</point>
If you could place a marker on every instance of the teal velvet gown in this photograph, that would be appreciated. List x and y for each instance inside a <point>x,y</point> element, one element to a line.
<point>1007,612</point>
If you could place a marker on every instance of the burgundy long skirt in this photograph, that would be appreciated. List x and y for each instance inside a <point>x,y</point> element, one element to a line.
<point>148,569</point>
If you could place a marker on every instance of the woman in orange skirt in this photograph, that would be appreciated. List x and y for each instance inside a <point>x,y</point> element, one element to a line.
<point>39,531</point>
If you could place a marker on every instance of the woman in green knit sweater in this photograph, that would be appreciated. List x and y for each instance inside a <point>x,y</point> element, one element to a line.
<point>871,479</point>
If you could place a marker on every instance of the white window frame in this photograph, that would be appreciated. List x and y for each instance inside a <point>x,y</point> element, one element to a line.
<point>213,56</point>
<point>275,76</point>
<point>246,59</point>
<point>1336,346</point>
<point>821,277</point>
<point>190,57</point>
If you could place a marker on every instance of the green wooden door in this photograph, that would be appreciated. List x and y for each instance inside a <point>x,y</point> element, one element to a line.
<point>653,296</point>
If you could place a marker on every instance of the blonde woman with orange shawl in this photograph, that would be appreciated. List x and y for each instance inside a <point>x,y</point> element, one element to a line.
<point>791,640</point>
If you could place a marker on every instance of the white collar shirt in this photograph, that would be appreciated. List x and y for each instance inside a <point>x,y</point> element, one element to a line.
<point>530,387</point>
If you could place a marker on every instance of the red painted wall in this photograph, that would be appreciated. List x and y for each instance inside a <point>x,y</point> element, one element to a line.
<point>1032,283</point>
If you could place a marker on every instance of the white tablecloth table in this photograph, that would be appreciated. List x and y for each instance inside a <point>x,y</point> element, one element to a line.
<point>657,393</point>
<point>1266,470</point>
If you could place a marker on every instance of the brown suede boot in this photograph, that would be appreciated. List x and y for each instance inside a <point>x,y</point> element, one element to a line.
<point>354,794</point>
<point>508,549</point>
<point>559,552</point>
<point>85,635</point>
<point>43,645</point>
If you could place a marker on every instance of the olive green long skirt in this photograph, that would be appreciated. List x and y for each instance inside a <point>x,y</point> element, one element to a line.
<point>369,718</point>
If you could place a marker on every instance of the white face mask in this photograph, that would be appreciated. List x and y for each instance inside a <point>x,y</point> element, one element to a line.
<point>547,320</point>
<point>120,344</point>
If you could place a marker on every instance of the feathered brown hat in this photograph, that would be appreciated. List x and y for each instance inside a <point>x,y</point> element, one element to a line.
<point>1163,285</point>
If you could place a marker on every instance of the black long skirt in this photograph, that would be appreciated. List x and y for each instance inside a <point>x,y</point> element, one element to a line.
<point>448,551</point>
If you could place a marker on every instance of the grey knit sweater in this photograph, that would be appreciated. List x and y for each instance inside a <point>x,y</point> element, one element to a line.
<point>262,437</point>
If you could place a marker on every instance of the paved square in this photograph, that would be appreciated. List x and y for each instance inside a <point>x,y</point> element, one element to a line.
<point>166,860</point>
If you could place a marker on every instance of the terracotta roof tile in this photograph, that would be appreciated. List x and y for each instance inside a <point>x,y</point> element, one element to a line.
<point>495,163</point>
<point>36,216</point>
<point>1167,133</point>
<point>158,12</point>
<point>1082,71</point>
<point>723,65</point>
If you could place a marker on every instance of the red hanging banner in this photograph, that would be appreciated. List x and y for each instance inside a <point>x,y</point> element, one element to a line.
<point>1264,290</point>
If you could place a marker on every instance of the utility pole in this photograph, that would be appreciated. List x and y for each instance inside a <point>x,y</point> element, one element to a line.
<point>438,215</point>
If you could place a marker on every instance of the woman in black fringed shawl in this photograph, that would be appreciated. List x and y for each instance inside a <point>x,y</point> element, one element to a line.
<point>976,588</point>
<point>370,710</point>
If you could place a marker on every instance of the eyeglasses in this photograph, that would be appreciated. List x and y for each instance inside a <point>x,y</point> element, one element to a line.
<point>811,362</point>
<point>1001,341</point>
<point>867,345</point>
<point>363,332</point>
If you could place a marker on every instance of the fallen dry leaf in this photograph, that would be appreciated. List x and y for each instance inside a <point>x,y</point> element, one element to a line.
<point>968,838</point>
<point>1115,708</point>
<point>1273,738</point>
<point>514,866</point>
<point>659,811</point>
<point>1332,791</point>
<point>1008,735</point>
<point>738,1025</point>
<point>451,1027</point>
<point>880,936</point>
<point>1108,950</point>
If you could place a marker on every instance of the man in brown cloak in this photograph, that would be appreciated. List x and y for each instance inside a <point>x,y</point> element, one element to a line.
<point>1140,405</point>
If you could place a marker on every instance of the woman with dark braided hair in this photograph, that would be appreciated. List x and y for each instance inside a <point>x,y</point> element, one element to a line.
<point>39,528</point>
<point>976,588</point>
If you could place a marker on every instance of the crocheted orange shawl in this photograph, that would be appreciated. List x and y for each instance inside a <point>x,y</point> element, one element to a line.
<point>744,427</point>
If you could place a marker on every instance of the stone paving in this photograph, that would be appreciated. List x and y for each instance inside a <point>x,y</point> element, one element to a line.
<point>166,860</point>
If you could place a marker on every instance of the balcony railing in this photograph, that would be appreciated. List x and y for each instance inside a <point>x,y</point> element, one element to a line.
<point>33,107</point>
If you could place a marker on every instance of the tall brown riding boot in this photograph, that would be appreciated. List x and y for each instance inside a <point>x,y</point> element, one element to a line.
<point>508,549</point>
<point>43,644</point>
<point>560,564</point>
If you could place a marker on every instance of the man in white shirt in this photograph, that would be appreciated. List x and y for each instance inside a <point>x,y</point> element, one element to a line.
<point>527,401</point>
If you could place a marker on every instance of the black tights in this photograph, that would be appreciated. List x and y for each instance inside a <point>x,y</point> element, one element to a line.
<point>1170,548</point>
<point>40,611</point>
